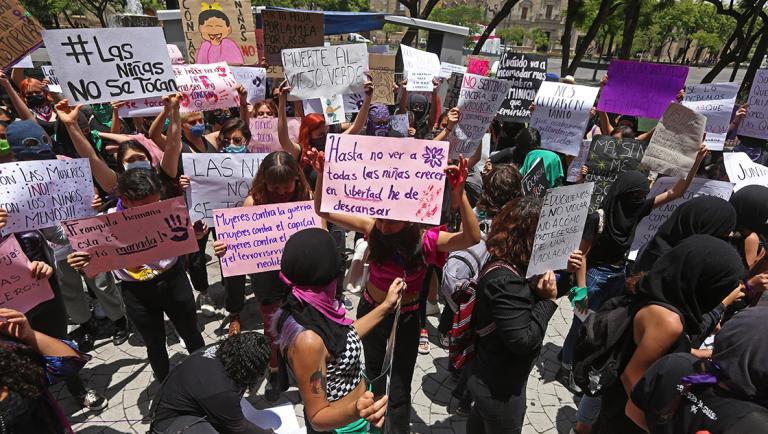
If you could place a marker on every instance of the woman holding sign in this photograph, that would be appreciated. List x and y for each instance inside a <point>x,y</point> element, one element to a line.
<point>401,250</point>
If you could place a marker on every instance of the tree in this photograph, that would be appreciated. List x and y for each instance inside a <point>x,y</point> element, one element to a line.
<point>574,8</point>
<point>461,15</point>
<point>498,17</point>
<point>99,8</point>
<point>596,13</point>
<point>514,35</point>
<point>413,10</point>
<point>390,28</point>
<point>539,39</point>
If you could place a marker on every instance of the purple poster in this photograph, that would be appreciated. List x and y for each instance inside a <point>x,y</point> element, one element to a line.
<point>641,89</point>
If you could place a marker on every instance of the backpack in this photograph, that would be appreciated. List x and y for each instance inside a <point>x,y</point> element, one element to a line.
<point>460,269</point>
<point>463,334</point>
<point>605,344</point>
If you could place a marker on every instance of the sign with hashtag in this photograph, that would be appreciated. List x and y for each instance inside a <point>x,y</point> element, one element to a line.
<point>104,65</point>
<point>132,237</point>
<point>19,33</point>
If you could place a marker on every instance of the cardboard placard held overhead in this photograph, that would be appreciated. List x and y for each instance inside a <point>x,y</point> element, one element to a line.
<point>206,87</point>
<point>561,115</point>
<point>608,158</point>
<point>419,67</point>
<point>219,31</point>
<point>19,33</point>
<point>479,101</point>
<point>115,64</point>
<point>526,72</point>
<point>253,79</point>
<point>755,124</point>
<point>641,88</point>
<point>535,182</point>
<point>715,101</point>
<point>382,72</point>
<point>675,142</point>
<point>318,72</point>
<point>289,29</point>
<point>453,91</point>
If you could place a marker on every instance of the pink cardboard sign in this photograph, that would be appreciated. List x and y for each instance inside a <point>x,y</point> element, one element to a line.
<point>206,87</point>
<point>18,289</point>
<point>478,66</point>
<point>255,235</point>
<point>133,237</point>
<point>384,177</point>
<point>264,137</point>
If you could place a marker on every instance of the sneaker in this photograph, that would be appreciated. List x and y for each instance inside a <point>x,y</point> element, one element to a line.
<point>424,342</point>
<point>84,338</point>
<point>348,305</point>
<point>93,401</point>
<point>445,340</point>
<point>119,336</point>
<point>206,304</point>
<point>565,377</point>
<point>234,324</point>
<point>432,308</point>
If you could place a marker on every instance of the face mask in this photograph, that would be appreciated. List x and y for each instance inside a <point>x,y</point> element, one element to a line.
<point>140,164</point>
<point>36,100</point>
<point>318,143</point>
<point>235,149</point>
<point>197,130</point>
<point>279,198</point>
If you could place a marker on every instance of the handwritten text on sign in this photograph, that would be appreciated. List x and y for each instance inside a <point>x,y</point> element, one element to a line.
<point>218,181</point>
<point>562,112</point>
<point>675,142</point>
<point>18,289</point>
<point>384,177</point>
<point>255,235</point>
<point>608,158</point>
<point>219,31</point>
<point>535,182</point>
<point>19,33</point>
<point>206,87</point>
<point>742,171</point>
<point>264,138</point>
<point>254,80</point>
<point>649,225</point>
<point>641,89</point>
<point>322,71</point>
<point>756,122</point>
<point>290,29</point>
<point>419,67</point>
<point>525,72</point>
<point>479,101</point>
<point>715,101</point>
<point>103,65</point>
<point>40,194</point>
<point>133,237</point>
<point>561,224</point>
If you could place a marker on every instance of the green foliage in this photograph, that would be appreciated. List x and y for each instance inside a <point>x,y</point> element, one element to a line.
<point>462,15</point>
<point>513,35</point>
<point>393,28</point>
<point>539,38</point>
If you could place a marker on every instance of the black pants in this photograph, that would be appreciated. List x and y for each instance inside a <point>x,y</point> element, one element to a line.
<point>196,267</point>
<point>145,303</point>
<point>406,350</point>
<point>50,318</point>
<point>234,291</point>
<point>492,415</point>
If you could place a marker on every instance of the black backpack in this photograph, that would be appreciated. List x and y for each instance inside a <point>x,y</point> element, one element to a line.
<point>605,344</point>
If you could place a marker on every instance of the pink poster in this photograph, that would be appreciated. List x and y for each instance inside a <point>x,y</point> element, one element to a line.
<point>18,289</point>
<point>384,177</point>
<point>478,66</point>
<point>264,138</point>
<point>255,235</point>
<point>206,87</point>
<point>133,237</point>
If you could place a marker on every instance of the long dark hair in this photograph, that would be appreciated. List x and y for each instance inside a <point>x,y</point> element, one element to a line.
<point>279,167</point>
<point>132,145</point>
<point>403,247</point>
<point>512,231</point>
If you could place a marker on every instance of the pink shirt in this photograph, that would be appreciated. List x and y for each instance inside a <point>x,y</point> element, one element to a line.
<point>227,51</point>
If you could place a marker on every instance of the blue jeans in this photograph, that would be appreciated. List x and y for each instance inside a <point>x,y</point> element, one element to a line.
<point>603,283</point>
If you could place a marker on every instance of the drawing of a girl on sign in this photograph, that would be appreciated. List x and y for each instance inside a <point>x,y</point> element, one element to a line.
<point>215,29</point>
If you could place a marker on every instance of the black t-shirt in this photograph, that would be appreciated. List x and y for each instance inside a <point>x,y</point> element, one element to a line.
<point>701,408</point>
<point>604,250</point>
<point>200,387</point>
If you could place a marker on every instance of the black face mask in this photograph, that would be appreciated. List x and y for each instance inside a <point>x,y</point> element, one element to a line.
<point>36,100</point>
<point>318,143</point>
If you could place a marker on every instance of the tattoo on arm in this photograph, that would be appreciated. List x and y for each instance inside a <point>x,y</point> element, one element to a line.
<point>318,383</point>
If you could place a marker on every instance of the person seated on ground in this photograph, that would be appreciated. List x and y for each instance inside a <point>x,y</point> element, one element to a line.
<point>30,361</point>
<point>202,393</point>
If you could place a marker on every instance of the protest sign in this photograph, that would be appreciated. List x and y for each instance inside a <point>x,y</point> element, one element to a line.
<point>255,235</point>
<point>384,177</point>
<point>314,105</point>
<point>264,138</point>
<point>755,124</point>
<point>218,181</point>
<point>561,224</point>
<point>574,169</point>
<point>321,71</point>
<point>280,419</point>
<point>535,182</point>
<point>561,115</point>
<point>24,63</point>
<point>453,92</point>
<point>640,88</point>
<point>478,104</point>
<point>175,54</point>
<point>144,107</point>
<point>333,109</point>
<point>650,224</point>
<point>382,72</point>
<point>675,142</point>
<point>478,66</point>
<point>40,194</point>
<point>715,101</point>
<point>18,289</point>
<point>290,29</point>
<point>103,65</point>
<point>525,72</point>
<point>742,171</point>
<point>446,69</point>
<point>608,158</point>
<point>399,123</point>
<point>220,31</point>
<point>353,102</point>
<point>206,87</point>
<point>53,81</point>
<point>19,33</point>
<point>419,67</point>
<point>276,71</point>
<point>133,237</point>
<point>253,79</point>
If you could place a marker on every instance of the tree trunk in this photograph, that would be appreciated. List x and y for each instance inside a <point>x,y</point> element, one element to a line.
<point>495,21</point>
<point>757,59</point>
<point>565,40</point>
<point>413,10</point>
<point>606,8</point>
<point>631,18</point>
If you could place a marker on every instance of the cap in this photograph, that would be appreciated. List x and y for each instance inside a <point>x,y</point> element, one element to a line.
<point>28,141</point>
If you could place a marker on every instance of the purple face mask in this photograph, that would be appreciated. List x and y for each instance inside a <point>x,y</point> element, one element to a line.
<point>378,120</point>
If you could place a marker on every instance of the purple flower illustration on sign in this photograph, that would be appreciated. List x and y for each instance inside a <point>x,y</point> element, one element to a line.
<point>433,156</point>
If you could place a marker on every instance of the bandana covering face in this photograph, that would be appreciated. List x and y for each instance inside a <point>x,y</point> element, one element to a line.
<point>378,120</point>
